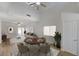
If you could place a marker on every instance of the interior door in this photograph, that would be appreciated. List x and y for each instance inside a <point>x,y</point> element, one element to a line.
<point>70,36</point>
<point>78,36</point>
<point>75,38</point>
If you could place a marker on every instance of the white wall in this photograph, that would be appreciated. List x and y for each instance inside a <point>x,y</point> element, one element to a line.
<point>6,24</point>
<point>48,18</point>
<point>0,32</point>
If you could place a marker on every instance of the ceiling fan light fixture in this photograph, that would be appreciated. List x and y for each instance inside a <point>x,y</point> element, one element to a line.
<point>38,3</point>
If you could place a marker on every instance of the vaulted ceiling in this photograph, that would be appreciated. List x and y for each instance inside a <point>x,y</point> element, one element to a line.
<point>18,11</point>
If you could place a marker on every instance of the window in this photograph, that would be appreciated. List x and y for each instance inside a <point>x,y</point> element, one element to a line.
<point>30,29</point>
<point>20,31</point>
<point>49,30</point>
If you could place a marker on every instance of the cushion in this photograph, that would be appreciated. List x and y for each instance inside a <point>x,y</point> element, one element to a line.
<point>34,40</point>
<point>40,40</point>
<point>29,40</point>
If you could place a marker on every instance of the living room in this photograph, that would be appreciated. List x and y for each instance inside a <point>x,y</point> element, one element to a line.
<point>41,21</point>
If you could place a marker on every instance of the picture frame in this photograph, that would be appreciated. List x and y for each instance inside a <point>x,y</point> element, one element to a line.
<point>10,29</point>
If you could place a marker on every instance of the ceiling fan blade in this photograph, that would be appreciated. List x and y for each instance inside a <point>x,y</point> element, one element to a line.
<point>32,4</point>
<point>28,15</point>
<point>43,5</point>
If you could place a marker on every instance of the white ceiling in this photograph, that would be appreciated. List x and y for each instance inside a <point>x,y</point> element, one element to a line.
<point>17,10</point>
<point>59,6</point>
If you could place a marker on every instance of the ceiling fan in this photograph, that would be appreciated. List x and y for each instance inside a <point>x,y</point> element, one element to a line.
<point>36,4</point>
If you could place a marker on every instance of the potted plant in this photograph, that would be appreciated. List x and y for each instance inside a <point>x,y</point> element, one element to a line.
<point>57,38</point>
